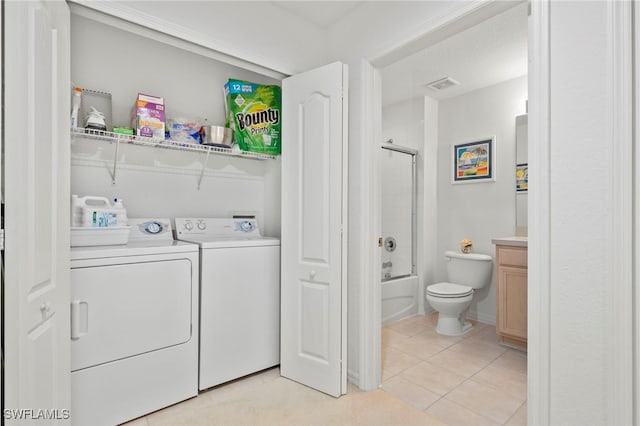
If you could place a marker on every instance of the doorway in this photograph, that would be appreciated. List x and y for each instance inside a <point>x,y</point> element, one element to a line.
<point>439,227</point>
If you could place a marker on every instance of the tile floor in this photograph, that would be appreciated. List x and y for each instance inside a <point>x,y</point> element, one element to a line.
<point>267,399</point>
<point>467,380</point>
<point>428,379</point>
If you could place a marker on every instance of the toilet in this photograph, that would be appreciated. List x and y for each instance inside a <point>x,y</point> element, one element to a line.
<point>465,272</point>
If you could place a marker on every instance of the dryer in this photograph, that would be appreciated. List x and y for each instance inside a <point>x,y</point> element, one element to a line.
<point>239,297</point>
<point>134,325</point>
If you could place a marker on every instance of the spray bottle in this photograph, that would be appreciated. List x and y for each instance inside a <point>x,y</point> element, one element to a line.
<point>121,212</point>
<point>75,110</point>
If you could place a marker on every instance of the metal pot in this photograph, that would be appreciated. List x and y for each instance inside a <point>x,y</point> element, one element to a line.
<point>217,136</point>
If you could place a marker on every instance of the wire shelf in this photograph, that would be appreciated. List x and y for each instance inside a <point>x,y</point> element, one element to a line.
<point>165,143</point>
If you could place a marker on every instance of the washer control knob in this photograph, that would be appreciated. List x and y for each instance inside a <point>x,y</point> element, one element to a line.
<point>202,226</point>
<point>188,226</point>
<point>246,226</point>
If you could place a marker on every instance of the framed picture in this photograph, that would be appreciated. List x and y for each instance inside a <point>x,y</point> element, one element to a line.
<point>474,162</point>
<point>522,177</point>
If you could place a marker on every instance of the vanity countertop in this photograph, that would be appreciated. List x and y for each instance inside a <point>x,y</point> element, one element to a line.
<point>511,241</point>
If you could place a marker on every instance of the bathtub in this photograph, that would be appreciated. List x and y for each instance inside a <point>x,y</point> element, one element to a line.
<point>399,298</point>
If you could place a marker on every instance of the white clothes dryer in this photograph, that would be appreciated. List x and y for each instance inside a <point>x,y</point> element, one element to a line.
<point>134,325</point>
<point>239,297</point>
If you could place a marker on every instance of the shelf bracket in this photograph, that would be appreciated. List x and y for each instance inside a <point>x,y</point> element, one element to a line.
<point>115,162</point>
<point>204,166</point>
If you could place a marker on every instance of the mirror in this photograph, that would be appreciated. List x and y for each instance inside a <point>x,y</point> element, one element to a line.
<point>522,174</point>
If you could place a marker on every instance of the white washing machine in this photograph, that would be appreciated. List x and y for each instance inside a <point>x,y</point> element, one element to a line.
<point>239,297</point>
<point>134,325</point>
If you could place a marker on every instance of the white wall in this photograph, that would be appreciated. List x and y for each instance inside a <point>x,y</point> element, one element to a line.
<point>258,32</point>
<point>404,123</point>
<point>580,263</point>
<point>478,211</point>
<point>428,222</point>
<point>155,181</point>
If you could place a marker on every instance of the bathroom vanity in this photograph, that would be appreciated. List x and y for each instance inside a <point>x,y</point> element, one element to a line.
<point>511,260</point>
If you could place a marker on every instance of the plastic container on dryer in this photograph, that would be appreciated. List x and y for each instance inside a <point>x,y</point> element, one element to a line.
<point>95,221</point>
<point>84,236</point>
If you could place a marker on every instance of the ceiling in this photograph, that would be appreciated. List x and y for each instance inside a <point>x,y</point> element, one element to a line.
<point>486,54</point>
<point>321,13</point>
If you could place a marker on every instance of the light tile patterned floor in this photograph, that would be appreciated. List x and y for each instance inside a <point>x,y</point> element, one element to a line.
<point>468,380</point>
<point>428,379</point>
<point>267,399</point>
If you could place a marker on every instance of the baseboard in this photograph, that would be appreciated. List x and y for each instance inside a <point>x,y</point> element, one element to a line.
<point>483,318</point>
<point>353,377</point>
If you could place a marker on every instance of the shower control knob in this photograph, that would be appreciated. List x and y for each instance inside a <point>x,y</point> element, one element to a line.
<point>390,244</point>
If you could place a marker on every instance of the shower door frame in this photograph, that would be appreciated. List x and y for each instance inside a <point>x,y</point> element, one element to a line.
<point>414,206</point>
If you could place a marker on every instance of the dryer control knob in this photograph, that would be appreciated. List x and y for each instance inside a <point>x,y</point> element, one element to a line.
<point>188,226</point>
<point>202,226</point>
<point>153,227</point>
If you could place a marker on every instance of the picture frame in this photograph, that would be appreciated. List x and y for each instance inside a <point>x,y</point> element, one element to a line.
<point>522,177</point>
<point>474,162</point>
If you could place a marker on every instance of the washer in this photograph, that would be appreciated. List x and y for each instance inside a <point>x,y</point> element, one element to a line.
<point>134,325</point>
<point>239,297</point>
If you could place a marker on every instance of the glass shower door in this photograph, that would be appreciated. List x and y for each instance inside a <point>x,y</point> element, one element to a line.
<point>398,183</point>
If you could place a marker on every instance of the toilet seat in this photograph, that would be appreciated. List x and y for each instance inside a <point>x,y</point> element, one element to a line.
<point>449,290</point>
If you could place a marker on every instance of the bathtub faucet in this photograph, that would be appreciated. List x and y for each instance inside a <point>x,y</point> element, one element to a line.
<point>388,264</point>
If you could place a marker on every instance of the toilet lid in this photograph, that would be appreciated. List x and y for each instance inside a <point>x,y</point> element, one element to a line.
<point>449,290</point>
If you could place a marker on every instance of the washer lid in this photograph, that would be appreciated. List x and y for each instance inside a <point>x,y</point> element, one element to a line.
<point>210,242</point>
<point>449,290</point>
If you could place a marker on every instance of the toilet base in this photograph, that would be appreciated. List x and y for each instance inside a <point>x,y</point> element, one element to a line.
<point>452,325</point>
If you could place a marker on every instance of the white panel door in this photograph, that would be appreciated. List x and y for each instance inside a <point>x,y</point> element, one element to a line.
<point>36,196</point>
<point>313,305</point>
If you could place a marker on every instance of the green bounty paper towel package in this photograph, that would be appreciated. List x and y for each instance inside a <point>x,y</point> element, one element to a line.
<point>254,113</point>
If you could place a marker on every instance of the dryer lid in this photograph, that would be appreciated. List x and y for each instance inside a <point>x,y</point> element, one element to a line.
<point>449,290</point>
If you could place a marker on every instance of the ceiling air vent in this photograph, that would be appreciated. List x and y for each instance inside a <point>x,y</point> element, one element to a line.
<point>443,83</point>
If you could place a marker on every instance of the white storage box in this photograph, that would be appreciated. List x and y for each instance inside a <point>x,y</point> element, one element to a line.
<point>83,236</point>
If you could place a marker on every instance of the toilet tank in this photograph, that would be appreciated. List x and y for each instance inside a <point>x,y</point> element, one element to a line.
<point>472,269</point>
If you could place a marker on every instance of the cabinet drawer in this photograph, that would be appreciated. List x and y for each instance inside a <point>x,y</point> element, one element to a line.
<point>512,256</point>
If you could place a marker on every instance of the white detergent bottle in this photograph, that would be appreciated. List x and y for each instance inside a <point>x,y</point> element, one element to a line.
<point>76,211</point>
<point>121,212</point>
<point>92,211</point>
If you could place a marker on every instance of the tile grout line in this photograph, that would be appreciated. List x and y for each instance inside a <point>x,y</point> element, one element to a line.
<point>477,337</point>
<point>515,412</point>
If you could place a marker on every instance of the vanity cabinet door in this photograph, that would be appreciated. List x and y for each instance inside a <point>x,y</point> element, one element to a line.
<point>512,302</point>
<point>512,295</point>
